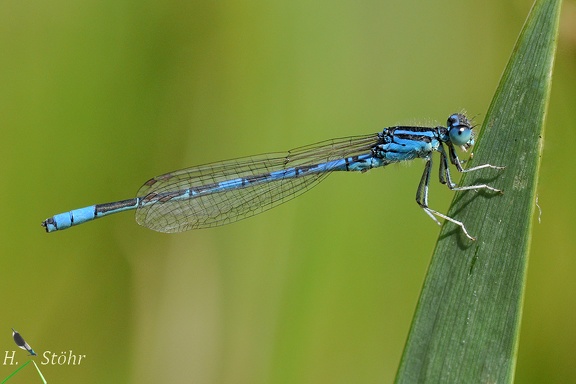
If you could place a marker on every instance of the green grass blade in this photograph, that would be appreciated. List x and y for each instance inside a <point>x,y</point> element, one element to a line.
<point>16,371</point>
<point>467,320</point>
<point>40,373</point>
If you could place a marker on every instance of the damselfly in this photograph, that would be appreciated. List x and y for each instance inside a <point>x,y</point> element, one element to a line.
<point>19,340</point>
<point>224,192</point>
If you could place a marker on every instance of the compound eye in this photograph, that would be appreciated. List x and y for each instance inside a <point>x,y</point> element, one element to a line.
<point>461,135</point>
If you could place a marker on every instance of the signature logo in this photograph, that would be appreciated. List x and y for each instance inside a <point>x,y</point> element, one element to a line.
<point>48,357</point>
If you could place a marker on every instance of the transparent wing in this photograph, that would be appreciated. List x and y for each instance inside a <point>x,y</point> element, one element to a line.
<point>229,205</point>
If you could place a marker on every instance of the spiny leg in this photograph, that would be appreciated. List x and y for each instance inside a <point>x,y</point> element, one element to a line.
<point>432,212</point>
<point>445,177</point>
<point>458,163</point>
<point>453,186</point>
<point>422,196</point>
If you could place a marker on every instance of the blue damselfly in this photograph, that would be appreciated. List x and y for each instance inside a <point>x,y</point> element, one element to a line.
<point>224,192</point>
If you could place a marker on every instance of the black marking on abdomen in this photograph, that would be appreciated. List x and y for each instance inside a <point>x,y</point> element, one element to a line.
<point>255,179</point>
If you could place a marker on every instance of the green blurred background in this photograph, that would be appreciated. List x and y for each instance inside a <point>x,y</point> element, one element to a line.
<point>98,96</point>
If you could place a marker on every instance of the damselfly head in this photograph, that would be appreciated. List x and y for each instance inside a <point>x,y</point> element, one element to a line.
<point>460,131</point>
